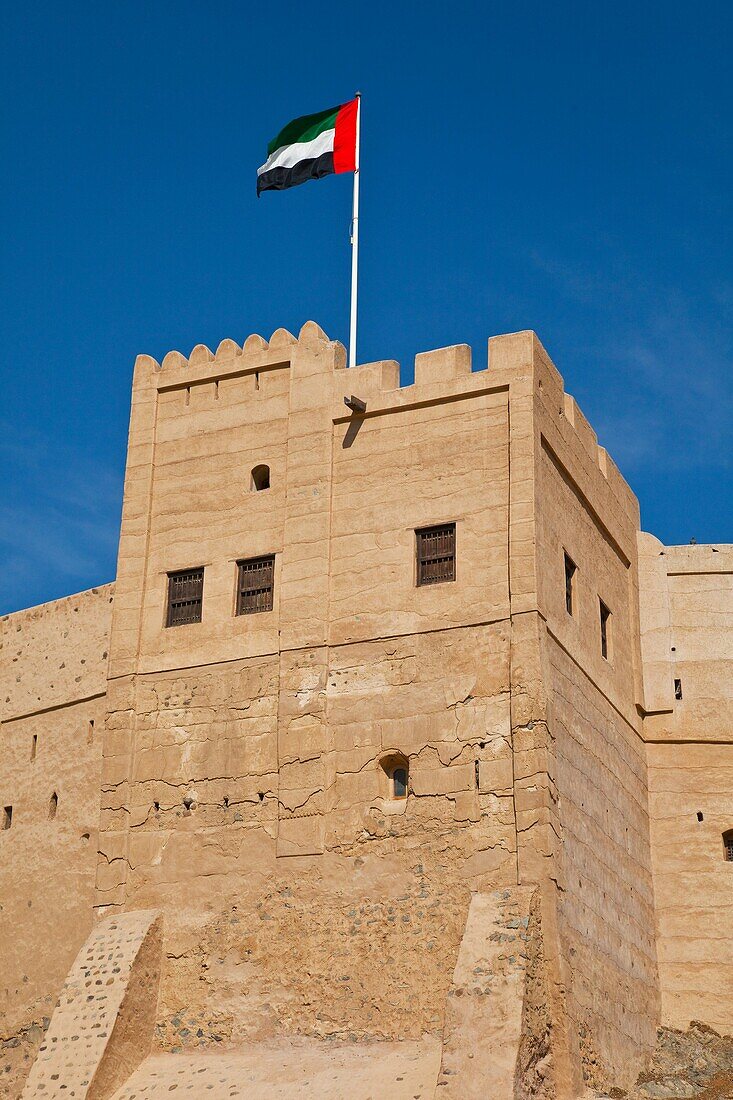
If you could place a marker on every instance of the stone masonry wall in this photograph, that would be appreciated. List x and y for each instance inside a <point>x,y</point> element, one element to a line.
<point>602,856</point>
<point>687,641</point>
<point>441,699</point>
<point>52,688</point>
<point>244,768</point>
<point>102,1026</point>
<point>248,751</point>
<point>606,902</point>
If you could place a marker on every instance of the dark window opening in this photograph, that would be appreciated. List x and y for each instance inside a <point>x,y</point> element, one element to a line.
<point>53,805</point>
<point>260,479</point>
<point>185,597</point>
<point>699,815</point>
<point>728,845</point>
<point>396,770</point>
<point>34,746</point>
<point>399,783</point>
<point>255,585</point>
<point>678,689</point>
<point>605,616</point>
<point>570,570</point>
<point>156,807</point>
<point>7,817</point>
<point>436,554</point>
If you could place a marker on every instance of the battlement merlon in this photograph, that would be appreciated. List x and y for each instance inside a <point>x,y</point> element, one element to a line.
<point>441,375</point>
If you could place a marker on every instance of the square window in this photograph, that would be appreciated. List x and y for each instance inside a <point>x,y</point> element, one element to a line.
<point>255,585</point>
<point>436,554</point>
<point>185,597</point>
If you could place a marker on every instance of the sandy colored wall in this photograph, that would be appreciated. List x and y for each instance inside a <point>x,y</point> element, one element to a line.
<point>687,634</point>
<point>240,776</point>
<point>275,724</point>
<point>605,904</point>
<point>692,881</point>
<point>53,677</point>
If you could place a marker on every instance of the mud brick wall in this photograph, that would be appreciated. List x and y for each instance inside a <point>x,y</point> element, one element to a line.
<point>53,669</point>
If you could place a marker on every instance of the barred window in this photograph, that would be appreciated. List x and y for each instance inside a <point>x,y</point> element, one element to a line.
<point>436,554</point>
<point>185,596</point>
<point>255,585</point>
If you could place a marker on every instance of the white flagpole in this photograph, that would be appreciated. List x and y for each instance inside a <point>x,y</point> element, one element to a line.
<point>355,240</point>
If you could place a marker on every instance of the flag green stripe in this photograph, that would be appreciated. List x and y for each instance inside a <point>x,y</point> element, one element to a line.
<point>304,129</point>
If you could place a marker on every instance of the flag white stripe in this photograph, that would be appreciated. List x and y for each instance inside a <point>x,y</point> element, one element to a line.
<point>287,156</point>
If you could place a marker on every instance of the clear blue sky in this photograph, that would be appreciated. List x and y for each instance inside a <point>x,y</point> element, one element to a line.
<point>565,167</point>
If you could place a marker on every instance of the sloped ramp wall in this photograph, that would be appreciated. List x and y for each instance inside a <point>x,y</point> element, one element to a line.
<point>102,1027</point>
<point>483,1020</point>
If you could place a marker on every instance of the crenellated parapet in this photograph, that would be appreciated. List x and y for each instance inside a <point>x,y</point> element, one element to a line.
<point>516,362</point>
<point>229,359</point>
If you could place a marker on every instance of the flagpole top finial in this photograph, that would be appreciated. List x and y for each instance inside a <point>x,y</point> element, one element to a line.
<point>357,95</point>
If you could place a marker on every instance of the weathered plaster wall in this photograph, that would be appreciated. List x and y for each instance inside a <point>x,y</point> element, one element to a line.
<point>275,725</point>
<point>52,683</point>
<point>442,699</point>
<point>693,883</point>
<point>605,904</point>
<point>687,635</point>
<point>102,1026</point>
<point>242,786</point>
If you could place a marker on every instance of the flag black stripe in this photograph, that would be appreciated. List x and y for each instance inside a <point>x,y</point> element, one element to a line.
<point>279,179</point>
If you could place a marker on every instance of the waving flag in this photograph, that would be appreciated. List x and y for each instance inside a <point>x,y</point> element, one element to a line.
<point>311,147</point>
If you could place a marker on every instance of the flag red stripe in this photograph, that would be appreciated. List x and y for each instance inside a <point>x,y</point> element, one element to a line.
<point>344,142</point>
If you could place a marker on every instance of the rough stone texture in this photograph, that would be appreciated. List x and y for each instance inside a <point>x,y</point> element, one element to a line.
<point>696,1062</point>
<point>245,788</point>
<point>401,1071</point>
<point>103,1023</point>
<point>483,1024</point>
<point>353,952</point>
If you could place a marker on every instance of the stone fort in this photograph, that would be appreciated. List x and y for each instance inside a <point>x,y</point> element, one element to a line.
<point>396,762</point>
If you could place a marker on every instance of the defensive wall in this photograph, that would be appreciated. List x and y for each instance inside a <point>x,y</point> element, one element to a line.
<point>238,777</point>
<point>687,644</point>
<point>53,685</point>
